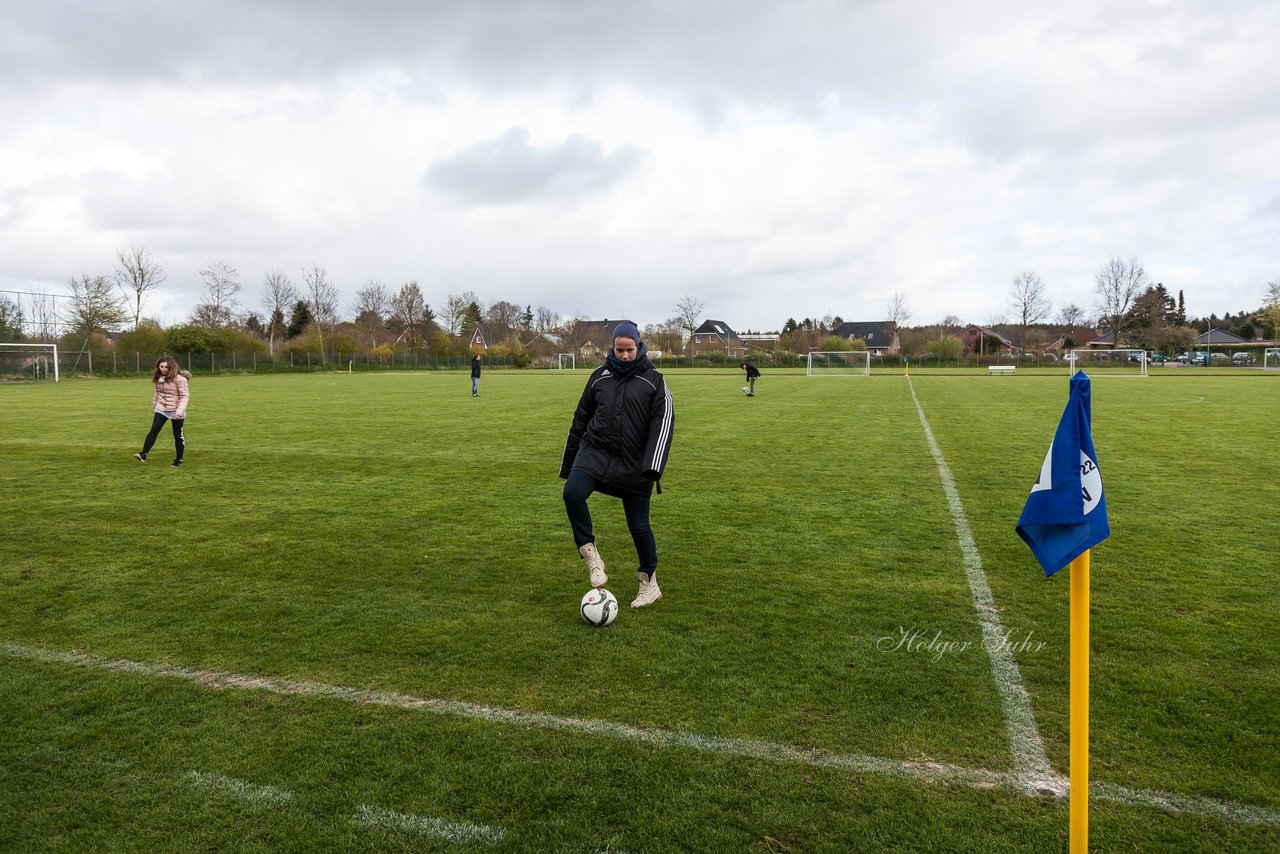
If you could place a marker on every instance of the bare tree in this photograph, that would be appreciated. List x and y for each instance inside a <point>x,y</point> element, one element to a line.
<point>1029,301</point>
<point>457,311</point>
<point>136,273</point>
<point>278,296</point>
<point>1270,314</point>
<point>221,284</point>
<point>42,315</point>
<point>504,315</point>
<point>547,319</point>
<point>451,316</point>
<point>949,324</point>
<point>573,330</point>
<point>373,305</point>
<point>323,300</point>
<point>409,314</point>
<point>94,304</point>
<point>1070,315</point>
<point>1118,283</point>
<point>664,337</point>
<point>898,310</point>
<point>689,312</point>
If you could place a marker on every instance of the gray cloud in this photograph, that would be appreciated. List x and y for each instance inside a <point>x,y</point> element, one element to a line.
<point>508,169</point>
<point>849,148</point>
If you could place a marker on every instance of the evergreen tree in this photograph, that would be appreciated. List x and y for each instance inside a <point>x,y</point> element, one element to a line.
<point>300,319</point>
<point>276,326</point>
<point>10,320</point>
<point>472,316</point>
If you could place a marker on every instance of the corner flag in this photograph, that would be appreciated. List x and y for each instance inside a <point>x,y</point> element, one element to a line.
<point>1066,512</point>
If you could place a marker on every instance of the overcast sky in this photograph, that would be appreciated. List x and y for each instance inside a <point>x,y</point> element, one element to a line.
<point>772,159</point>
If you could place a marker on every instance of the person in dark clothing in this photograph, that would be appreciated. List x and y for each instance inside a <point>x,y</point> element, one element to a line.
<point>753,374</point>
<point>475,375</point>
<point>618,445</point>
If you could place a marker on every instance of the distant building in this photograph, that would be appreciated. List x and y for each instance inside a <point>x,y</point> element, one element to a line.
<point>487,334</point>
<point>715,336</point>
<point>591,339</point>
<point>880,336</point>
<point>975,340</point>
<point>1081,337</point>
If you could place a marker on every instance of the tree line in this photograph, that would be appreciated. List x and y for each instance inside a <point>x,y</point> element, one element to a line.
<point>304,316</point>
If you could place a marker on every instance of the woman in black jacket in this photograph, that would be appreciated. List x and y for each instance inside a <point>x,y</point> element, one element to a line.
<point>618,445</point>
<point>753,374</point>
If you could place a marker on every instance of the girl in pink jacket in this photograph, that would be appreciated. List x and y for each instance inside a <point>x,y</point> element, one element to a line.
<point>169,404</point>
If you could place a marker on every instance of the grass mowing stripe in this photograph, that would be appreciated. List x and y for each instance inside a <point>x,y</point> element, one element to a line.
<point>427,826</point>
<point>1031,764</point>
<point>927,771</point>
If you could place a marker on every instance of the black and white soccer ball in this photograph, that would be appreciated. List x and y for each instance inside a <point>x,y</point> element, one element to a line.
<point>599,607</point>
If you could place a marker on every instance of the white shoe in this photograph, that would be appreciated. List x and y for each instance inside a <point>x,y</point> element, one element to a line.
<point>595,565</point>
<point>649,592</point>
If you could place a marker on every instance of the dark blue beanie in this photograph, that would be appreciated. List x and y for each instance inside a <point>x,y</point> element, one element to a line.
<point>626,329</point>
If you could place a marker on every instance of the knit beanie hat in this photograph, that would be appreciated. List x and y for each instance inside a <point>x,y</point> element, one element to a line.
<point>626,329</point>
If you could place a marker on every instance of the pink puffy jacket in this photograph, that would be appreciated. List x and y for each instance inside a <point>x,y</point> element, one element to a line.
<point>172,396</point>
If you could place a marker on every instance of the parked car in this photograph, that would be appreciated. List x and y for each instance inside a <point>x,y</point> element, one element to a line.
<point>1241,359</point>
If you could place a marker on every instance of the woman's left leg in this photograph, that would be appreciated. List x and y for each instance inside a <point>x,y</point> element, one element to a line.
<point>637,509</point>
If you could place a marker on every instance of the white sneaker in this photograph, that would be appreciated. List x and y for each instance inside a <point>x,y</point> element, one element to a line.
<point>649,592</point>
<point>595,565</point>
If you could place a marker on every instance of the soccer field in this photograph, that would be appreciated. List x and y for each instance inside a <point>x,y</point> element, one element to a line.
<point>350,620</point>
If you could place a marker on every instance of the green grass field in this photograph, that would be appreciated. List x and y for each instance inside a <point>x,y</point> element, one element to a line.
<point>350,621</point>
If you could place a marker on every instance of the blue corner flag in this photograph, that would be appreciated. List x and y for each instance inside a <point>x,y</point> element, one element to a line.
<point>1066,512</point>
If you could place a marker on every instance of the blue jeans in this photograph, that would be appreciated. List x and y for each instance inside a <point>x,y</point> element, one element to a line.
<point>578,488</point>
<point>475,386</point>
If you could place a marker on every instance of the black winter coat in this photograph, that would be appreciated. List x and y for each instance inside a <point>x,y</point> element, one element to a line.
<point>621,431</point>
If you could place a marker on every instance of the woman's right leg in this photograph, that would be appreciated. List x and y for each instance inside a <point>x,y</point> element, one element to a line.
<point>157,421</point>
<point>577,489</point>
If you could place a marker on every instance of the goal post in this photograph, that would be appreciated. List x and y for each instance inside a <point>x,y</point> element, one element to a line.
<point>569,359</point>
<point>839,363</point>
<point>1108,363</point>
<point>29,359</point>
<point>1271,359</point>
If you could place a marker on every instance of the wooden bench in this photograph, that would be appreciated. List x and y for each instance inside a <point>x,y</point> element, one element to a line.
<point>992,370</point>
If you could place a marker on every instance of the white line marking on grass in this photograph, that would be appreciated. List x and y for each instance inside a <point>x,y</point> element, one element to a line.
<point>427,826</point>
<point>367,816</point>
<point>241,790</point>
<point>1029,759</point>
<point>932,772</point>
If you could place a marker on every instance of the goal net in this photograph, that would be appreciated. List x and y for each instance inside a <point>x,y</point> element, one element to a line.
<point>29,361</point>
<point>1271,358</point>
<point>566,362</point>
<point>850,363</point>
<point>1108,363</point>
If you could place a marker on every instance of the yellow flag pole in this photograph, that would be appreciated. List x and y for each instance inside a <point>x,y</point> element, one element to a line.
<point>1079,726</point>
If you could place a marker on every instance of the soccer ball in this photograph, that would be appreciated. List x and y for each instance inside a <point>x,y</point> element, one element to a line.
<point>599,607</point>
<point>746,389</point>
